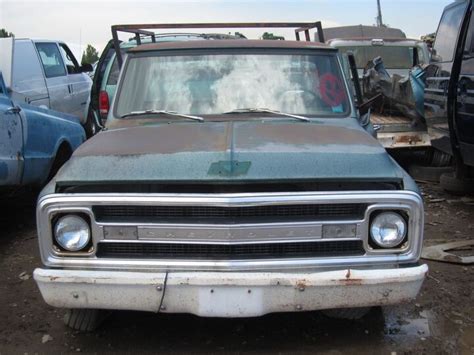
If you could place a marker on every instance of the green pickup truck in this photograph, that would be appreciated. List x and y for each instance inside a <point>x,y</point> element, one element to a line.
<point>234,178</point>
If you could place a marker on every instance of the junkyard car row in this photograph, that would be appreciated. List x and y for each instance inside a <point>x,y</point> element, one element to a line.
<point>229,178</point>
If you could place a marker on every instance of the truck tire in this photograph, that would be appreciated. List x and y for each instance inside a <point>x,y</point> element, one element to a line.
<point>84,320</point>
<point>62,156</point>
<point>428,173</point>
<point>91,127</point>
<point>439,159</point>
<point>347,313</point>
<point>430,164</point>
<point>453,184</point>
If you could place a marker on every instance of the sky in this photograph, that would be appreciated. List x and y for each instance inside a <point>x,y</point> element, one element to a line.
<point>81,22</point>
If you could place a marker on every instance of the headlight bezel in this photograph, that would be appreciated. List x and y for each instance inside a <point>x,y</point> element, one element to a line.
<point>61,250</point>
<point>399,247</point>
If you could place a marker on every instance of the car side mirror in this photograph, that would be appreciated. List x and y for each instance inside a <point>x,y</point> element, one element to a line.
<point>9,91</point>
<point>85,68</point>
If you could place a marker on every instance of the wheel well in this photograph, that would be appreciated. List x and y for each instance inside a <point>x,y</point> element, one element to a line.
<point>63,154</point>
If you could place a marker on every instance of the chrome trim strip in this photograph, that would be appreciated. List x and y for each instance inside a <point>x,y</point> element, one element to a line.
<point>231,234</point>
<point>295,240</point>
<point>68,203</point>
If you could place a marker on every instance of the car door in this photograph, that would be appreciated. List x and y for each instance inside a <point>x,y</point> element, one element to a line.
<point>11,140</point>
<point>79,82</point>
<point>439,75</point>
<point>60,93</point>
<point>464,115</point>
<point>100,76</point>
<point>28,80</point>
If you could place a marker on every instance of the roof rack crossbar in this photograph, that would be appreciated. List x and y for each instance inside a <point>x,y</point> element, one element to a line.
<point>319,29</point>
<point>139,29</point>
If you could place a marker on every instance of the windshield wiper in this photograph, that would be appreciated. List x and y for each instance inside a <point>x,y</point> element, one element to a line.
<point>267,110</point>
<point>162,112</point>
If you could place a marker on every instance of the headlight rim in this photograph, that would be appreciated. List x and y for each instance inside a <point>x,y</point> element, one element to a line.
<point>59,248</point>
<point>374,245</point>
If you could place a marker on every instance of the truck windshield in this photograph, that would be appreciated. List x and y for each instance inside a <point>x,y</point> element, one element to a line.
<point>394,57</point>
<point>214,84</point>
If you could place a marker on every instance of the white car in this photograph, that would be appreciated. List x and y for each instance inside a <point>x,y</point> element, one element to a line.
<point>45,73</point>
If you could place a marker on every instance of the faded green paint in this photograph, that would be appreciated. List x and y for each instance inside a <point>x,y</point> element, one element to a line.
<point>232,148</point>
<point>276,149</point>
<point>229,168</point>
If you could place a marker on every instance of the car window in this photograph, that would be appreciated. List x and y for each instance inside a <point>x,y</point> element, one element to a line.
<point>51,58</point>
<point>27,71</point>
<point>421,56</point>
<point>114,73</point>
<point>115,70</point>
<point>469,46</point>
<point>446,37</point>
<point>71,62</point>
<point>218,83</point>
<point>102,66</point>
<point>394,57</point>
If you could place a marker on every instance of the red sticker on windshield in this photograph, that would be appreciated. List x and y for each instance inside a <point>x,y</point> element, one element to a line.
<point>331,89</point>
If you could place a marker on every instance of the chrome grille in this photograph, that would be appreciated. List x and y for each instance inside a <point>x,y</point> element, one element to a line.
<point>364,202</point>
<point>193,214</point>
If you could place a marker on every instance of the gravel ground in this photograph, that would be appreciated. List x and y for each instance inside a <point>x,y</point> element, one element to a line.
<point>441,320</point>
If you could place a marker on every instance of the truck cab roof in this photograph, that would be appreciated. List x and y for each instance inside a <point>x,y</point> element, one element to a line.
<point>235,43</point>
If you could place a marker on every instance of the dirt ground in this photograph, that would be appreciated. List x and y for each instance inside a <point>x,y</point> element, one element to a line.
<point>441,320</point>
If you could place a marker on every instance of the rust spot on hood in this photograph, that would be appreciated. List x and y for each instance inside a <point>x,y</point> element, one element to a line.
<point>252,135</point>
<point>161,139</point>
<point>226,136</point>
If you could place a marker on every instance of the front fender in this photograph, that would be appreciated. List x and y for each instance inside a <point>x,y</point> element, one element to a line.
<point>45,131</point>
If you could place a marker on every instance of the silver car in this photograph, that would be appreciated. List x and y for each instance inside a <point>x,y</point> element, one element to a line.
<point>45,73</point>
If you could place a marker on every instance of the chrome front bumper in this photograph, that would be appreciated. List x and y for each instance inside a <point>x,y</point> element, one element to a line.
<point>228,294</point>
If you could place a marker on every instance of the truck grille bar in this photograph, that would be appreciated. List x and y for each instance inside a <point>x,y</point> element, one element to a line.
<point>213,214</point>
<point>227,252</point>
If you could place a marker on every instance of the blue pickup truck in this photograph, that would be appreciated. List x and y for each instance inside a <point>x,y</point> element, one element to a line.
<point>34,142</point>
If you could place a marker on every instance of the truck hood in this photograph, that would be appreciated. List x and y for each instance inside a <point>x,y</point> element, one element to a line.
<point>337,149</point>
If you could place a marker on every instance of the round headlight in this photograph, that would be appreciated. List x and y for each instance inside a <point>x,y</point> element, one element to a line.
<point>72,233</point>
<point>388,229</point>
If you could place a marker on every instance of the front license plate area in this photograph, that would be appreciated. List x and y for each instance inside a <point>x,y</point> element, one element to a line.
<point>232,301</point>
